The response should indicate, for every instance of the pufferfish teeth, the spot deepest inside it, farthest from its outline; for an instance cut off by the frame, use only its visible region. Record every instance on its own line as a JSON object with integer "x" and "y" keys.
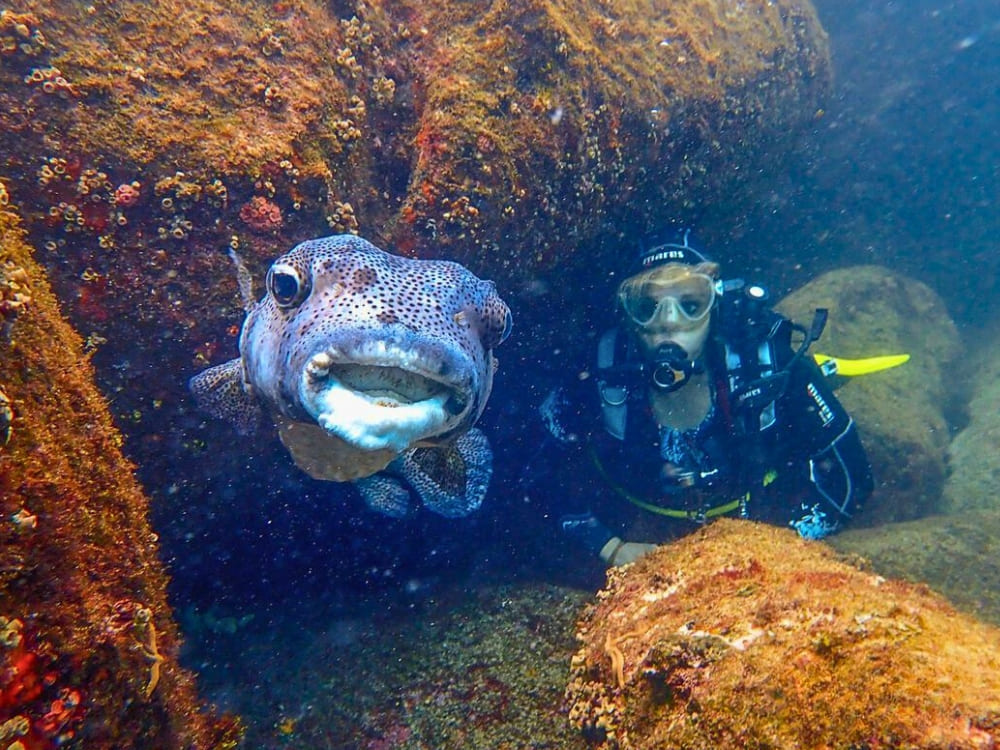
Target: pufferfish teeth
{"x": 319, "y": 365}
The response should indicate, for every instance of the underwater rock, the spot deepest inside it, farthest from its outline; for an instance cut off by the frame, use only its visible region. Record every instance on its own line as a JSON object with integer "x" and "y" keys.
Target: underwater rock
{"x": 448, "y": 128}
{"x": 88, "y": 646}
{"x": 901, "y": 413}
{"x": 483, "y": 667}
{"x": 953, "y": 554}
{"x": 745, "y": 635}
{"x": 432, "y": 128}
{"x": 973, "y": 458}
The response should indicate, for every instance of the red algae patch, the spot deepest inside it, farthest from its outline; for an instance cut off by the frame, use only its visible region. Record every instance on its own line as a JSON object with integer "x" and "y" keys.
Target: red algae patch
{"x": 744, "y": 635}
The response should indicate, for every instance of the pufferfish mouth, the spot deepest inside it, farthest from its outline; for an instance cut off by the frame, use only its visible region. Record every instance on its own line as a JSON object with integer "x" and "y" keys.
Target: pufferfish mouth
{"x": 388, "y": 399}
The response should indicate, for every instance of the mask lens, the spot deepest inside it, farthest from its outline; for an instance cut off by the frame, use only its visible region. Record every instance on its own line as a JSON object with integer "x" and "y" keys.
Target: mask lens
{"x": 641, "y": 309}
{"x": 691, "y": 295}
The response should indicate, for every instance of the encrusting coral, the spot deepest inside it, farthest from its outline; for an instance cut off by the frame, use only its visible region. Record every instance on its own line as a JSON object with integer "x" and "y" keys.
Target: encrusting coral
{"x": 746, "y": 636}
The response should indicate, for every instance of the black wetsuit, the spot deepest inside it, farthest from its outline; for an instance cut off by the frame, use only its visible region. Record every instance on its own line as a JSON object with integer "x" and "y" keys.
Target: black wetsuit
{"x": 775, "y": 446}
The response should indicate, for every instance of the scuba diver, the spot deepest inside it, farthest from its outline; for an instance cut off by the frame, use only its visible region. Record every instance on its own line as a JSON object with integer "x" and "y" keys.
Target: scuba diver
{"x": 704, "y": 403}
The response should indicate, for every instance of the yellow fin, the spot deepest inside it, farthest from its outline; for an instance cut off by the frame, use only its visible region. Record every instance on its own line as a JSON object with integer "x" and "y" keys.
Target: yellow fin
{"x": 852, "y": 367}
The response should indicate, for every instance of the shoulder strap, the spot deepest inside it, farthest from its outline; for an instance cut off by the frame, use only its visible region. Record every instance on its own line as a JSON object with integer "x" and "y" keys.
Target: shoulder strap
{"x": 755, "y": 366}
{"x": 614, "y": 396}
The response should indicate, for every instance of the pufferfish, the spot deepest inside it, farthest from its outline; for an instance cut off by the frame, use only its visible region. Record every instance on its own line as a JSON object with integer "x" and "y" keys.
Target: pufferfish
{"x": 375, "y": 368}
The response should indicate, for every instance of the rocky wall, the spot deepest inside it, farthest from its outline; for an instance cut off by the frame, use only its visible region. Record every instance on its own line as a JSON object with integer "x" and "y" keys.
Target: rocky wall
{"x": 146, "y": 137}
{"x": 507, "y": 137}
{"x": 88, "y": 646}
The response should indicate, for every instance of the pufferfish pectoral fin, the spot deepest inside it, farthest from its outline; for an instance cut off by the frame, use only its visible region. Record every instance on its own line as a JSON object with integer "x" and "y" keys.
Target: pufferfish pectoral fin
{"x": 385, "y": 494}
{"x": 221, "y": 392}
{"x": 451, "y": 479}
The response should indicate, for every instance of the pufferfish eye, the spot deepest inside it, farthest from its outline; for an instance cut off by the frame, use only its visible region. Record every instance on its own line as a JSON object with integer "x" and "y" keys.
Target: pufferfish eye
{"x": 498, "y": 323}
{"x": 286, "y": 285}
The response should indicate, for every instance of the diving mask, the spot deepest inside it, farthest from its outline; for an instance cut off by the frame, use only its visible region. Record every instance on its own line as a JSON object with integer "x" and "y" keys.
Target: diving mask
{"x": 683, "y": 297}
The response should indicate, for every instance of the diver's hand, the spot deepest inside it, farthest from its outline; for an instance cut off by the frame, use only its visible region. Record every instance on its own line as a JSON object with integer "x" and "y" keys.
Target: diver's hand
{"x": 619, "y": 552}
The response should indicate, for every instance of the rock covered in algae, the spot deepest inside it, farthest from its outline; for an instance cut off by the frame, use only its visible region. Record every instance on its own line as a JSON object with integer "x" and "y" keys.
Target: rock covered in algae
{"x": 901, "y": 413}
{"x": 88, "y": 647}
{"x": 482, "y": 666}
{"x": 160, "y": 128}
{"x": 744, "y": 635}
{"x": 973, "y": 458}
{"x": 953, "y": 554}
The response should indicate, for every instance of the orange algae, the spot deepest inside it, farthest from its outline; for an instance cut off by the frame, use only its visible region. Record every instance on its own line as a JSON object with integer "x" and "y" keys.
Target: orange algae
{"x": 530, "y": 112}
{"x": 744, "y": 635}
{"x": 88, "y": 647}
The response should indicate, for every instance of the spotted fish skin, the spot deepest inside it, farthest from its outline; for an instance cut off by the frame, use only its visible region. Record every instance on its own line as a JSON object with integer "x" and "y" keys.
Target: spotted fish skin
{"x": 384, "y": 354}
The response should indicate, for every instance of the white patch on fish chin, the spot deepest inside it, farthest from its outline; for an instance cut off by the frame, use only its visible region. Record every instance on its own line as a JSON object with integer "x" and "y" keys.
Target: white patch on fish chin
{"x": 374, "y": 422}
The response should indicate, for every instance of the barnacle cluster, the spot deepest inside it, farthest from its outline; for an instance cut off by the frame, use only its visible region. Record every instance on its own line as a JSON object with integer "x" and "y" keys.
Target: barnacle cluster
{"x": 356, "y": 107}
{"x": 343, "y": 131}
{"x": 6, "y": 420}
{"x": 14, "y": 292}
{"x": 81, "y": 198}
{"x": 356, "y": 32}
{"x": 272, "y": 95}
{"x": 384, "y": 90}
{"x": 177, "y": 228}
{"x": 345, "y": 58}
{"x": 177, "y": 194}
{"x": 271, "y": 43}
{"x": 341, "y": 218}
{"x": 178, "y": 189}
{"x": 66, "y": 215}
{"x": 94, "y": 185}
{"x": 19, "y": 33}
{"x": 53, "y": 170}
{"x": 217, "y": 193}
{"x": 51, "y": 80}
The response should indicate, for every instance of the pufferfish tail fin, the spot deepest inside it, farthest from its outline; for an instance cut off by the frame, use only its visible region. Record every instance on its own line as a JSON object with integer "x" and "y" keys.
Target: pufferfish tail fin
{"x": 451, "y": 479}
{"x": 221, "y": 391}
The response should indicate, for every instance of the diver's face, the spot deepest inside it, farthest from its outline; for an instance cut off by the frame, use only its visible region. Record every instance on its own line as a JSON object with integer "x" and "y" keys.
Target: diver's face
{"x": 691, "y": 340}
{"x": 671, "y": 304}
